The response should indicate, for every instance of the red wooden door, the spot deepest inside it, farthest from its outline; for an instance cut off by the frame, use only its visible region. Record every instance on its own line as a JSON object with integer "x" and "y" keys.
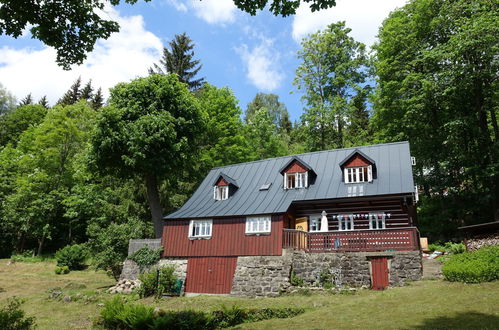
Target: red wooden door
{"x": 210, "y": 274}
{"x": 379, "y": 267}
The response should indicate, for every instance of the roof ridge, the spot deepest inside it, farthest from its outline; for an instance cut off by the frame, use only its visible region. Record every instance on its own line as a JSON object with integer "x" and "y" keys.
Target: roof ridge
{"x": 309, "y": 153}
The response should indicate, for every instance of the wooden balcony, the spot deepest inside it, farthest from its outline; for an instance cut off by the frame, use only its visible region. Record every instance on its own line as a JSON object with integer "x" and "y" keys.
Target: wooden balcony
{"x": 399, "y": 239}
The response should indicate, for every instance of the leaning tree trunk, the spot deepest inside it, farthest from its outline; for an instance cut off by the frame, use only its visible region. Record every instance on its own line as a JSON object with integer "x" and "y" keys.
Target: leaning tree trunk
{"x": 154, "y": 204}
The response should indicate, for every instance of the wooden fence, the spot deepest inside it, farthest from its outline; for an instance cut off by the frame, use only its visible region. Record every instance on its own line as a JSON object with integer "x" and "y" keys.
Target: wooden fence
{"x": 400, "y": 239}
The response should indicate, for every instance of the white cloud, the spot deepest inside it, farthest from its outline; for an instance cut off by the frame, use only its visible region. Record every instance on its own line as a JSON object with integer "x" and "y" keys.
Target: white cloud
{"x": 262, "y": 65}
{"x": 211, "y": 11}
{"x": 124, "y": 56}
{"x": 364, "y": 17}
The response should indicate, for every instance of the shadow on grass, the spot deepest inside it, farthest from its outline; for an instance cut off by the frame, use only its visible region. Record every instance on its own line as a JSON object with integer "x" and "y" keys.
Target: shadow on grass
{"x": 470, "y": 320}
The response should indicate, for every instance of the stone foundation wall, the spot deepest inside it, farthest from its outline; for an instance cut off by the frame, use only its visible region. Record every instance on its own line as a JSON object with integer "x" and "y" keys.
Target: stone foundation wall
{"x": 180, "y": 266}
{"x": 479, "y": 241}
{"x": 261, "y": 276}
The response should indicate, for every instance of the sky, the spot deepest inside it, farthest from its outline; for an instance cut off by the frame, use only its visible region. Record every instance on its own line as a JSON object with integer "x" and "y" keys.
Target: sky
{"x": 248, "y": 54}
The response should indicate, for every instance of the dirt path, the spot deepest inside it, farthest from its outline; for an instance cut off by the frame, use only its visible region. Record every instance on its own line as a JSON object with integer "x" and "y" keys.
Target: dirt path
{"x": 432, "y": 269}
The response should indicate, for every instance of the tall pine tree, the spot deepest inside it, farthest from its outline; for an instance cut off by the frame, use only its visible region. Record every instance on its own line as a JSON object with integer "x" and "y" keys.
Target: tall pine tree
{"x": 179, "y": 59}
{"x": 72, "y": 95}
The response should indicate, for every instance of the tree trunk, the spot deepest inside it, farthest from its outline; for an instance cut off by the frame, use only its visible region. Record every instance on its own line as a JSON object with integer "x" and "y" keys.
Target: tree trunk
{"x": 154, "y": 204}
{"x": 40, "y": 246}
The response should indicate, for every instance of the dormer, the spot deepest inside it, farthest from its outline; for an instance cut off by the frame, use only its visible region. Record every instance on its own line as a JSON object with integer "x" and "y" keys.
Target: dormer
{"x": 224, "y": 187}
{"x": 357, "y": 167}
{"x": 297, "y": 174}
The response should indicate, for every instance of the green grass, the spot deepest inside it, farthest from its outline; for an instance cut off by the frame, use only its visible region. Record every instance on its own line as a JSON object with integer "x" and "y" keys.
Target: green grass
{"x": 421, "y": 305}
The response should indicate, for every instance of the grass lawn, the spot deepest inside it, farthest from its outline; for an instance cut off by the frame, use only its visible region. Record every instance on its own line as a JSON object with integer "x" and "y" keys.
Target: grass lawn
{"x": 421, "y": 305}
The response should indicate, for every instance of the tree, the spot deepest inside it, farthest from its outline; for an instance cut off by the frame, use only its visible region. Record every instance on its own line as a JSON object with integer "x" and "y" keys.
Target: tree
{"x": 277, "y": 110}
{"x": 72, "y": 95}
{"x": 437, "y": 67}
{"x": 98, "y": 99}
{"x": 16, "y": 122}
{"x": 7, "y": 101}
{"x": 358, "y": 131}
{"x": 87, "y": 92}
{"x": 26, "y": 101}
{"x": 179, "y": 60}
{"x": 151, "y": 129}
{"x": 44, "y": 102}
{"x": 72, "y": 27}
{"x": 333, "y": 65}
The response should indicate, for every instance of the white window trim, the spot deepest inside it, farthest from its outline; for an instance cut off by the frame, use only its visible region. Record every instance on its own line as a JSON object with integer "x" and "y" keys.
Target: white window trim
{"x": 318, "y": 218}
{"x": 375, "y": 216}
{"x": 358, "y": 170}
{"x": 298, "y": 178}
{"x": 350, "y": 220}
{"x": 221, "y": 193}
{"x": 264, "y": 221}
{"x": 208, "y": 222}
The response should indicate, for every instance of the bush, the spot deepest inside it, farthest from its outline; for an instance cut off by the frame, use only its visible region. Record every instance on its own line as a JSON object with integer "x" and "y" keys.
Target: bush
{"x": 59, "y": 270}
{"x": 13, "y": 318}
{"x": 473, "y": 267}
{"x": 296, "y": 280}
{"x": 146, "y": 257}
{"x": 72, "y": 256}
{"x": 450, "y": 247}
{"x": 157, "y": 282}
{"x": 117, "y": 314}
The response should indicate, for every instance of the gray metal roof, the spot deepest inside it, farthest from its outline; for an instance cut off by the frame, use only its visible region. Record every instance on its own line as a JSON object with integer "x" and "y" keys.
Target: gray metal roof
{"x": 394, "y": 176}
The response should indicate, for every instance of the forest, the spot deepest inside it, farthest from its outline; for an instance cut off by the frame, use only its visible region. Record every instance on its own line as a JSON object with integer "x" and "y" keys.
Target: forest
{"x": 97, "y": 171}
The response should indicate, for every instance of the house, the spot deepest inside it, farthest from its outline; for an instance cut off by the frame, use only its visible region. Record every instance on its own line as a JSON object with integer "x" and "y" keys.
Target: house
{"x": 347, "y": 215}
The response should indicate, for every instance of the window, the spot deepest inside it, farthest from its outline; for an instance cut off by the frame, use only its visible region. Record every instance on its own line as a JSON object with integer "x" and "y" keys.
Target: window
{"x": 345, "y": 222}
{"x": 315, "y": 222}
{"x": 358, "y": 174}
{"x": 259, "y": 224}
{"x": 200, "y": 228}
{"x": 377, "y": 221}
{"x": 220, "y": 193}
{"x": 295, "y": 180}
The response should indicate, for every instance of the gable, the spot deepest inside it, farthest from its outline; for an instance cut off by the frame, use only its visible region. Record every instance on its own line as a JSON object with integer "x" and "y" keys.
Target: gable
{"x": 221, "y": 182}
{"x": 356, "y": 161}
{"x": 295, "y": 167}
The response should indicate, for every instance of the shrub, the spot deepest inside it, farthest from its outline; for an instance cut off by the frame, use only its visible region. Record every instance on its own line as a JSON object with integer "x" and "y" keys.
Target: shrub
{"x": 473, "y": 267}
{"x": 72, "y": 256}
{"x": 450, "y": 247}
{"x": 326, "y": 279}
{"x": 119, "y": 315}
{"x": 157, "y": 282}
{"x": 13, "y": 318}
{"x": 59, "y": 270}
{"x": 296, "y": 280}
{"x": 146, "y": 257}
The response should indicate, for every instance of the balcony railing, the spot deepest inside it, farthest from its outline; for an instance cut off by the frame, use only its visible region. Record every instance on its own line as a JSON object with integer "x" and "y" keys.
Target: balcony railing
{"x": 399, "y": 239}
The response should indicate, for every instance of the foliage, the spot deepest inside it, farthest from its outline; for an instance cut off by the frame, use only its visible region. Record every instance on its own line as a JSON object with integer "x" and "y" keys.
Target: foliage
{"x": 7, "y": 101}
{"x": 27, "y": 256}
{"x": 437, "y": 65}
{"x": 450, "y": 247}
{"x": 151, "y": 129}
{"x": 473, "y": 267}
{"x": 145, "y": 257}
{"x": 296, "y": 280}
{"x": 13, "y": 124}
{"x": 282, "y": 7}
{"x": 179, "y": 60}
{"x": 12, "y": 317}
{"x": 117, "y": 314}
{"x": 60, "y": 270}
{"x": 326, "y": 279}
{"x": 277, "y": 111}
{"x": 72, "y": 256}
{"x": 333, "y": 66}
{"x": 157, "y": 282}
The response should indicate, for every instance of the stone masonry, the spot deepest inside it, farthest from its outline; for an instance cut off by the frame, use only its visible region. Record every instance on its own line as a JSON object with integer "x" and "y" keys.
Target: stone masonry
{"x": 131, "y": 270}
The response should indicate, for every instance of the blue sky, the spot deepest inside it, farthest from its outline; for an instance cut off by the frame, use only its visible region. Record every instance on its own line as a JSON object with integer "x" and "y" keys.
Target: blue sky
{"x": 249, "y": 54}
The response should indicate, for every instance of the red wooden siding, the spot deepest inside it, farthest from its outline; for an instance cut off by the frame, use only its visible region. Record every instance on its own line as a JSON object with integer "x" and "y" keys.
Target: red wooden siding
{"x": 210, "y": 274}
{"x": 379, "y": 273}
{"x": 228, "y": 239}
{"x": 222, "y": 182}
{"x": 295, "y": 167}
{"x": 357, "y": 161}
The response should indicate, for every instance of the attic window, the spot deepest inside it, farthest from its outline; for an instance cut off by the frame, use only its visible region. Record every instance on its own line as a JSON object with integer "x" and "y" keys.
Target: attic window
{"x": 223, "y": 187}
{"x": 221, "y": 193}
{"x": 295, "y": 180}
{"x": 297, "y": 174}
{"x": 358, "y": 174}
{"x": 358, "y": 167}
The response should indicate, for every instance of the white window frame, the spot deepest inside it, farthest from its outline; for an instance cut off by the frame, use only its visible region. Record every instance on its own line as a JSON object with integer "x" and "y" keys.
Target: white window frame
{"x": 357, "y": 174}
{"x": 347, "y": 222}
{"x": 220, "y": 193}
{"x": 315, "y": 221}
{"x": 205, "y": 228}
{"x": 261, "y": 224}
{"x": 375, "y": 223}
{"x": 300, "y": 180}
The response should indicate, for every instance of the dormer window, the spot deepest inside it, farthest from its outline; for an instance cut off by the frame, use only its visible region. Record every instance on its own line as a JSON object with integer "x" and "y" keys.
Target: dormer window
{"x": 358, "y": 167}
{"x": 295, "y": 180}
{"x": 297, "y": 174}
{"x": 221, "y": 193}
{"x": 224, "y": 187}
{"x": 358, "y": 174}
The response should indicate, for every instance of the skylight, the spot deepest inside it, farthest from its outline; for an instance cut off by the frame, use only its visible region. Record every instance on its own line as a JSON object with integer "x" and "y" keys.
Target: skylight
{"x": 265, "y": 186}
